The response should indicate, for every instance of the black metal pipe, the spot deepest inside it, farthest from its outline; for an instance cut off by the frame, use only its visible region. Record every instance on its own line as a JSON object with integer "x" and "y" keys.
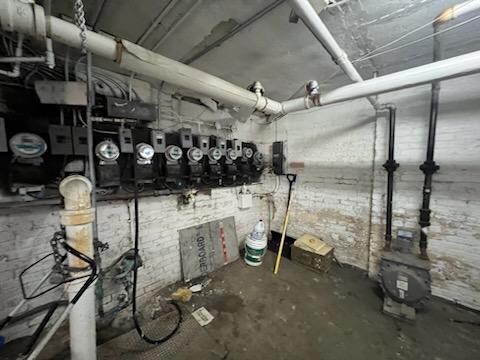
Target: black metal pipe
{"x": 429, "y": 167}
{"x": 390, "y": 166}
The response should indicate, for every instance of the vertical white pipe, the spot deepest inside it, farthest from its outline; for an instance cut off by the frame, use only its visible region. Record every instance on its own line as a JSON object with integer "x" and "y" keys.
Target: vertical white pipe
{"x": 308, "y": 14}
{"x": 77, "y": 218}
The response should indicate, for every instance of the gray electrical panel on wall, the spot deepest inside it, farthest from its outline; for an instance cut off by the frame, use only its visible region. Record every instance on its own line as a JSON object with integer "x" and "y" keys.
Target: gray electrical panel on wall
{"x": 3, "y": 136}
{"x": 278, "y": 158}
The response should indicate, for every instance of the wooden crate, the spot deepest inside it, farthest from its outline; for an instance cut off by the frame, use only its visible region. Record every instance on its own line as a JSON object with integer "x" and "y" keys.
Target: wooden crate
{"x": 314, "y": 261}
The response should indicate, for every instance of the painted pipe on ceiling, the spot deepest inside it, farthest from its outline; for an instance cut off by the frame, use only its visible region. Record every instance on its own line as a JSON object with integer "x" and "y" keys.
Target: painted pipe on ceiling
{"x": 30, "y": 19}
{"x": 441, "y": 70}
{"x": 307, "y": 13}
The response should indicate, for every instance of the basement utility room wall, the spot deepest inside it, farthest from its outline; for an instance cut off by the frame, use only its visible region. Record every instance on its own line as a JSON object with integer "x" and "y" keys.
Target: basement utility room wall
{"x": 338, "y": 152}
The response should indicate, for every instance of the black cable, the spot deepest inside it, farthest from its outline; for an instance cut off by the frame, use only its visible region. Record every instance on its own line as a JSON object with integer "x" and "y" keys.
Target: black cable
{"x": 135, "y": 278}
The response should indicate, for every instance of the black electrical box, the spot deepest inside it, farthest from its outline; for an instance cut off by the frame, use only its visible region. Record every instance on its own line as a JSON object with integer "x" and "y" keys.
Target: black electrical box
{"x": 278, "y": 158}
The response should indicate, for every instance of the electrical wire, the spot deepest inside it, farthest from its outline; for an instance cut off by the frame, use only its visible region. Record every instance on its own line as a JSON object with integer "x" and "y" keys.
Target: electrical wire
{"x": 135, "y": 278}
{"x": 367, "y": 55}
{"x": 418, "y": 40}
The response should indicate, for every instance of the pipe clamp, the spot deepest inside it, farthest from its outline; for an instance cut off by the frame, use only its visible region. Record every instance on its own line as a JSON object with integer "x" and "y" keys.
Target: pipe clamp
{"x": 77, "y": 217}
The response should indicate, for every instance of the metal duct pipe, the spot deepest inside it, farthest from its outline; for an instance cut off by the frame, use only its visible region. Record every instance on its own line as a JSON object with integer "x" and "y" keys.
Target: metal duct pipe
{"x": 307, "y": 13}
{"x": 430, "y": 167}
{"x": 390, "y": 166}
{"x": 30, "y": 19}
{"x": 441, "y": 70}
{"x": 77, "y": 218}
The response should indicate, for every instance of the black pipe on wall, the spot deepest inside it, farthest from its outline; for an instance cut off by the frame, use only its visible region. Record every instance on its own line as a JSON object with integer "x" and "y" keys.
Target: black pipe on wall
{"x": 391, "y": 166}
{"x": 429, "y": 167}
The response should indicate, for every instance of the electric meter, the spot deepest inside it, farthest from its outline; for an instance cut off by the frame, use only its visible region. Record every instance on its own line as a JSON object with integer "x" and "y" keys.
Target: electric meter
{"x": 107, "y": 150}
{"x": 145, "y": 153}
{"x": 247, "y": 152}
{"x": 27, "y": 145}
{"x": 214, "y": 154}
{"x": 232, "y": 154}
{"x": 194, "y": 154}
{"x": 258, "y": 157}
{"x": 173, "y": 153}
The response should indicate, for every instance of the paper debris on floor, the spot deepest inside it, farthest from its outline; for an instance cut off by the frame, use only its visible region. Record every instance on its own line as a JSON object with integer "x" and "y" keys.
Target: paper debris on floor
{"x": 182, "y": 294}
{"x": 202, "y": 316}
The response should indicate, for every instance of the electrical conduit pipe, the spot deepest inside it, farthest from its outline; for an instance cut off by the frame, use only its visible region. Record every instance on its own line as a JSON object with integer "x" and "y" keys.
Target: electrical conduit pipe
{"x": 77, "y": 218}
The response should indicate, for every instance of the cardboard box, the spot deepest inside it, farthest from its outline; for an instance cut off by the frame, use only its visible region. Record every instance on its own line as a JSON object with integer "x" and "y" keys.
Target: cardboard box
{"x": 312, "y": 252}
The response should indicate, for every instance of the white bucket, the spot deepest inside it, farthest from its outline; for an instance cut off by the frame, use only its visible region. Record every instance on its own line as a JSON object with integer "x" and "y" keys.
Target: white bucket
{"x": 255, "y": 250}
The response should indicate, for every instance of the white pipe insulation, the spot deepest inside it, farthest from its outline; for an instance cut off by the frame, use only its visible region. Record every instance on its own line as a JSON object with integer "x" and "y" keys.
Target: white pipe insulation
{"x": 441, "y": 70}
{"x": 308, "y": 14}
{"x": 30, "y": 19}
{"x": 78, "y": 218}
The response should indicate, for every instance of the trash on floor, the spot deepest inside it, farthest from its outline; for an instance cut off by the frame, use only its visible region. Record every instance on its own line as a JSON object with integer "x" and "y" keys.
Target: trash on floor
{"x": 182, "y": 294}
{"x": 202, "y": 316}
{"x": 312, "y": 252}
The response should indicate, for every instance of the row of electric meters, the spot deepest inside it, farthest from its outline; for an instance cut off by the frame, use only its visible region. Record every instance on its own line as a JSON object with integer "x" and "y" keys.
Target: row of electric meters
{"x": 126, "y": 156}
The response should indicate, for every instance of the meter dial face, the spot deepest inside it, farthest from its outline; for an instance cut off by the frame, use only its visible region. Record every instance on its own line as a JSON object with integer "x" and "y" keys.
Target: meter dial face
{"x": 258, "y": 157}
{"x": 107, "y": 150}
{"x": 195, "y": 154}
{"x": 215, "y": 154}
{"x": 27, "y": 145}
{"x": 173, "y": 153}
{"x": 247, "y": 152}
{"x": 232, "y": 154}
{"x": 145, "y": 151}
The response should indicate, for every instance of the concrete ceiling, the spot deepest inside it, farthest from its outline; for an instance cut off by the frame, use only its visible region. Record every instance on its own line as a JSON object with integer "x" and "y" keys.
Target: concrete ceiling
{"x": 280, "y": 54}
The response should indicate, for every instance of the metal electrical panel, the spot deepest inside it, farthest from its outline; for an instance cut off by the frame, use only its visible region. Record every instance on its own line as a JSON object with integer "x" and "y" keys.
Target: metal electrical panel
{"x": 186, "y": 140}
{"x": 3, "y": 136}
{"x": 158, "y": 141}
{"x": 278, "y": 158}
{"x": 61, "y": 92}
{"x": 126, "y": 141}
{"x": 121, "y": 108}
{"x": 80, "y": 140}
{"x": 237, "y": 146}
{"x": 60, "y": 140}
{"x": 222, "y": 145}
{"x": 204, "y": 143}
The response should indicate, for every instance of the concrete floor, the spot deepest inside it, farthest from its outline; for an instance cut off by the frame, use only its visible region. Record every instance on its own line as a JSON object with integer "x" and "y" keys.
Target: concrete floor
{"x": 297, "y": 314}
{"x": 300, "y": 314}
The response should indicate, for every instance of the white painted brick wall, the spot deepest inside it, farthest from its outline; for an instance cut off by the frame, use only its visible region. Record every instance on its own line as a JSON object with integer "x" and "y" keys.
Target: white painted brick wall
{"x": 24, "y": 235}
{"x": 333, "y": 193}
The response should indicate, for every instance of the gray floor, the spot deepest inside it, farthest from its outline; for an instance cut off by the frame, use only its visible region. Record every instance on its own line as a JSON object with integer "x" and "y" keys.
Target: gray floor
{"x": 299, "y": 314}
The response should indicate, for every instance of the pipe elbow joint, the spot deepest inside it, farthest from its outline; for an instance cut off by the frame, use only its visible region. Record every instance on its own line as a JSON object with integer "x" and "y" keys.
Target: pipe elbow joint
{"x": 76, "y": 191}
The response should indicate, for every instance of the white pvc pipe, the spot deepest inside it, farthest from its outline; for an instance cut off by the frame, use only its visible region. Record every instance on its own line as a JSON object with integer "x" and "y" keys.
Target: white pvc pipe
{"x": 308, "y": 14}
{"x": 30, "y": 19}
{"x": 78, "y": 218}
{"x": 445, "y": 69}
